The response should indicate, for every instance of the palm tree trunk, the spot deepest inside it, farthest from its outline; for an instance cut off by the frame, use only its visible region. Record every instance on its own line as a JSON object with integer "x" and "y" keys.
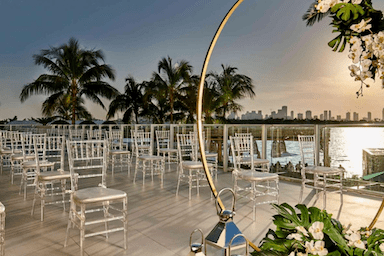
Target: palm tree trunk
{"x": 74, "y": 93}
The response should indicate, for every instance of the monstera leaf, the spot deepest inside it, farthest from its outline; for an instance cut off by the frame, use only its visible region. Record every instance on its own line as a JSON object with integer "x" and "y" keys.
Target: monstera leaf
{"x": 345, "y": 11}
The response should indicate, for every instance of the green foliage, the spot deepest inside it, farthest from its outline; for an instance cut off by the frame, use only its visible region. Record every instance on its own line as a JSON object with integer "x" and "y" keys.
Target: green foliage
{"x": 290, "y": 221}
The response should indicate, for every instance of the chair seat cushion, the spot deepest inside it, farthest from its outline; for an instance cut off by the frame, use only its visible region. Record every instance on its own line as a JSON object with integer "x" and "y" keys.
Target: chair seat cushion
{"x": 150, "y": 158}
{"x": 256, "y": 161}
{"x": 97, "y": 194}
{"x": 32, "y": 164}
{"x": 118, "y": 152}
{"x": 168, "y": 150}
{"x": 323, "y": 170}
{"x": 21, "y": 156}
{"x": 53, "y": 175}
{"x": 252, "y": 175}
{"x": 193, "y": 165}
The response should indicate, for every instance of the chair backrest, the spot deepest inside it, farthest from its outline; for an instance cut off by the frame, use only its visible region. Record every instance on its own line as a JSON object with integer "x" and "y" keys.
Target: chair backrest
{"x": 187, "y": 147}
{"x": 38, "y": 148}
{"x": 96, "y": 134}
{"x": 115, "y": 139}
{"x": 163, "y": 139}
{"x": 242, "y": 150}
{"x": 87, "y": 159}
{"x": 143, "y": 143}
{"x": 307, "y": 149}
{"x": 55, "y": 150}
{"x": 76, "y": 134}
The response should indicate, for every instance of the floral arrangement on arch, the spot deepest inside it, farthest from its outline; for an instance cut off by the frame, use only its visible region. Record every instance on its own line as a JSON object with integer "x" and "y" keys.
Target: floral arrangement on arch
{"x": 360, "y": 26}
{"x": 315, "y": 232}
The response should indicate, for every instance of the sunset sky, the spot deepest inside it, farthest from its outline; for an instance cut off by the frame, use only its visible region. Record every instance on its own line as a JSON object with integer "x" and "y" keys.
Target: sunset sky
{"x": 290, "y": 64}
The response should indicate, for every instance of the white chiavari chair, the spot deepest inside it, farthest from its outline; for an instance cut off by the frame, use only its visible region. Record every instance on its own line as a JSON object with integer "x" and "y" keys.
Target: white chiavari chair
{"x": 88, "y": 167}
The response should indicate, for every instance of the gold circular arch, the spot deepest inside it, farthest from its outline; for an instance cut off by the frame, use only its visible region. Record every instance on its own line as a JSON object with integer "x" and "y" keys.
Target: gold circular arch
{"x": 199, "y": 109}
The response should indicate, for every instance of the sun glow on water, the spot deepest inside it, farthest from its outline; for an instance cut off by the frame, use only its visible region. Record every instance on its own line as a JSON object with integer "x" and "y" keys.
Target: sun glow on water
{"x": 346, "y": 146}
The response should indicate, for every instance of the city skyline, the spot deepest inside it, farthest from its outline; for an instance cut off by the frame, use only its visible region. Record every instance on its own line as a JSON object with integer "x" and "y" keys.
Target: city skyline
{"x": 290, "y": 64}
{"x": 284, "y": 113}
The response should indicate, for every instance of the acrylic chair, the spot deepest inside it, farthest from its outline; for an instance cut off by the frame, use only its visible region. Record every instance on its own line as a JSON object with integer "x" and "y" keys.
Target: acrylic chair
{"x": 11, "y": 145}
{"x": 244, "y": 155}
{"x": 145, "y": 160}
{"x": 5, "y": 149}
{"x": 21, "y": 143}
{"x": 117, "y": 148}
{"x": 323, "y": 178}
{"x": 88, "y": 167}
{"x": 45, "y": 180}
{"x": 212, "y": 157}
{"x": 258, "y": 186}
{"x": 191, "y": 170}
{"x": 164, "y": 147}
{"x": 29, "y": 166}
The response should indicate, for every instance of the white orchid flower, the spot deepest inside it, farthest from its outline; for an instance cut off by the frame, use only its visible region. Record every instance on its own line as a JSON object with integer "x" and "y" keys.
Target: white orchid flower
{"x": 295, "y": 236}
{"x": 309, "y": 246}
{"x": 302, "y": 230}
{"x": 368, "y": 40}
{"x": 355, "y": 40}
{"x": 356, "y": 1}
{"x": 379, "y": 37}
{"x": 323, "y": 6}
{"x": 317, "y": 230}
{"x": 319, "y": 248}
{"x": 365, "y": 64}
{"x": 381, "y": 246}
{"x": 362, "y": 26}
{"x": 355, "y": 240}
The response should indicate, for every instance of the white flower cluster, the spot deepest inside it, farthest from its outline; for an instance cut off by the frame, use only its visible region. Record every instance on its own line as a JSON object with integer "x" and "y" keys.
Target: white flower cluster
{"x": 325, "y": 5}
{"x": 315, "y": 244}
{"x": 313, "y": 247}
{"x": 366, "y": 52}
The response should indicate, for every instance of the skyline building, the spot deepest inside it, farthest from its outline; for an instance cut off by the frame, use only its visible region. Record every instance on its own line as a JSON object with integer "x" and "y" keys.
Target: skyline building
{"x": 355, "y": 116}
{"x": 308, "y": 114}
{"x": 283, "y": 114}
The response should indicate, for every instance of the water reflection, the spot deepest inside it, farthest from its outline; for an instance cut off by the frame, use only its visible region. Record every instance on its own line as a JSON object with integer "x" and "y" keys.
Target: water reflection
{"x": 346, "y": 146}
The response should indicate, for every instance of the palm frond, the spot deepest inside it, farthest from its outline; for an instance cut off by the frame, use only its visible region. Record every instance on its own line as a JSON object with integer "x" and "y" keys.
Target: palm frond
{"x": 312, "y": 15}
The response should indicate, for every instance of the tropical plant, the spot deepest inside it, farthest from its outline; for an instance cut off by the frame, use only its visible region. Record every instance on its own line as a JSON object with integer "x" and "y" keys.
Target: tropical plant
{"x": 231, "y": 87}
{"x": 315, "y": 232}
{"x": 74, "y": 73}
{"x": 168, "y": 81}
{"x": 360, "y": 26}
{"x": 131, "y": 102}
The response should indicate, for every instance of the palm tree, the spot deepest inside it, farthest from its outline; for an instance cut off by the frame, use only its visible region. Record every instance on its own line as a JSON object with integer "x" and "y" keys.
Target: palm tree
{"x": 231, "y": 87}
{"x": 170, "y": 79}
{"x": 75, "y": 73}
{"x": 131, "y": 102}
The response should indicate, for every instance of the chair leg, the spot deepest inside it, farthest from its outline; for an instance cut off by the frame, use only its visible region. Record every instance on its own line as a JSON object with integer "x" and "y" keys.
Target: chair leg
{"x": 136, "y": 167}
{"x": 72, "y": 209}
{"x": 63, "y": 186}
{"x": 34, "y": 200}
{"x": 113, "y": 164}
{"x": 125, "y": 222}
{"x": 42, "y": 202}
{"x": 106, "y": 214}
{"x": 82, "y": 230}
{"x": 178, "y": 180}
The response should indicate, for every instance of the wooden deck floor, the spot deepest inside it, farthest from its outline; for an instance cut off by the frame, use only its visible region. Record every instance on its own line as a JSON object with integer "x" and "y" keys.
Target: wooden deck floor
{"x": 159, "y": 223}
